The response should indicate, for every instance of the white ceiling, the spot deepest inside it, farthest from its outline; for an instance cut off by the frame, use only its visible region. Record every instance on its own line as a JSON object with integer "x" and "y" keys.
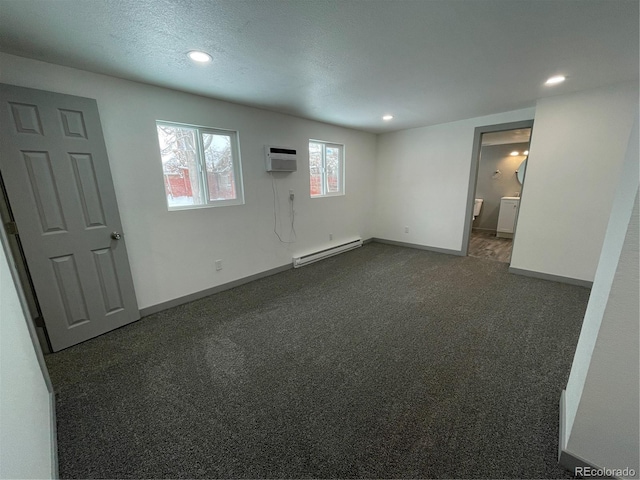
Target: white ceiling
{"x": 346, "y": 62}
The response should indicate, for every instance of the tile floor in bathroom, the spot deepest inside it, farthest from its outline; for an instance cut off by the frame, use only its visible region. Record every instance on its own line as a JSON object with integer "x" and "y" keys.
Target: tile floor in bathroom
{"x": 487, "y": 245}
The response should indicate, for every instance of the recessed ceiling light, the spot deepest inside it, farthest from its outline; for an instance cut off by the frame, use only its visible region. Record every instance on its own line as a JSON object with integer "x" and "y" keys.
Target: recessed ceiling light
{"x": 386, "y": 118}
{"x": 514, "y": 153}
{"x": 555, "y": 80}
{"x": 201, "y": 57}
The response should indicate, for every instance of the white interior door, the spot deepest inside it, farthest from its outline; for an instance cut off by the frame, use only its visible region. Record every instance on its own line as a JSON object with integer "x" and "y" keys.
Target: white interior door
{"x": 56, "y": 173}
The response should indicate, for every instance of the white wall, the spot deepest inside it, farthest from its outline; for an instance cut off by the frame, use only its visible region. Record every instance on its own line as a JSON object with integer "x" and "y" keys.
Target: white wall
{"x": 172, "y": 254}
{"x": 26, "y": 446}
{"x": 423, "y": 179}
{"x": 577, "y": 149}
{"x": 602, "y": 399}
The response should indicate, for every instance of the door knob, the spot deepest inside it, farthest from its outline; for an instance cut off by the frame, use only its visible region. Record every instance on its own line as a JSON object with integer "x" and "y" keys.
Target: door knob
{"x": 116, "y": 236}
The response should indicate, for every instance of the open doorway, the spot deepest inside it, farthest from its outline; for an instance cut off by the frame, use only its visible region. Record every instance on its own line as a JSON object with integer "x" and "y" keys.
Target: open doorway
{"x": 495, "y": 189}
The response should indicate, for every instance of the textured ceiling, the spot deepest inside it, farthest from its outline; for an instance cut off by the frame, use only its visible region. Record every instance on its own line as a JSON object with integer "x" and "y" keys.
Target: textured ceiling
{"x": 346, "y": 62}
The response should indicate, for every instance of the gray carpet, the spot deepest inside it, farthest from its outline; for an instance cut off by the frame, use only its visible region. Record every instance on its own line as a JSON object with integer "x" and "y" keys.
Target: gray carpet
{"x": 384, "y": 362}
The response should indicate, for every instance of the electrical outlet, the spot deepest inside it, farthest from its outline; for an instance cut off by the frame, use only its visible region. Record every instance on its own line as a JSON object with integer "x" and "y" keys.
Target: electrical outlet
{"x": 406, "y": 229}
{"x": 218, "y": 264}
{"x": 331, "y": 236}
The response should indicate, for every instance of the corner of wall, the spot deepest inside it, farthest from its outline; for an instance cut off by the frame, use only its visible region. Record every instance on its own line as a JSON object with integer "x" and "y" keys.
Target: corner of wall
{"x": 600, "y": 363}
{"x": 562, "y": 431}
{"x": 577, "y": 146}
{"x": 28, "y": 430}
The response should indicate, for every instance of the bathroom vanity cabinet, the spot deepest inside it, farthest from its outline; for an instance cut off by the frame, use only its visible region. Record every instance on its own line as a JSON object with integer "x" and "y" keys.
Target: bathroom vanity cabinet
{"x": 507, "y": 216}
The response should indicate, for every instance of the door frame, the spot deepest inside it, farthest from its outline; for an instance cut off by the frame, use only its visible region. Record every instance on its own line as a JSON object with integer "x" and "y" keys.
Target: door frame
{"x": 15, "y": 254}
{"x": 473, "y": 174}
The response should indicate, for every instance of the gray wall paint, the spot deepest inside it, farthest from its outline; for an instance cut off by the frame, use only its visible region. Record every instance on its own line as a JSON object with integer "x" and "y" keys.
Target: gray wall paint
{"x": 491, "y": 188}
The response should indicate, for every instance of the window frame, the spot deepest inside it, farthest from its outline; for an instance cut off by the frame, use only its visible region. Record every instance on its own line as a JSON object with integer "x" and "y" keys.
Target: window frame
{"x": 325, "y": 179}
{"x": 234, "y": 142}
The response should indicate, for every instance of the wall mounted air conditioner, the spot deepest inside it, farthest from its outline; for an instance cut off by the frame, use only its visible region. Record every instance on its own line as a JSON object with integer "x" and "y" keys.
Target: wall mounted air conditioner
{"x": 280, "y": 159}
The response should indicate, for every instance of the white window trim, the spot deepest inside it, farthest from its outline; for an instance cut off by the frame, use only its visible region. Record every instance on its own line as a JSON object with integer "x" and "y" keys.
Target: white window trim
{"x": 341, "y": 181}
{"x": 235, "y": 157}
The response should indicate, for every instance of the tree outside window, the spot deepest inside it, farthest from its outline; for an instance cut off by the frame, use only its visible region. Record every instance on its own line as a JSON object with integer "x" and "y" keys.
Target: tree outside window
{"x": 326, "y": 169}
{"x": 201, "y": 166}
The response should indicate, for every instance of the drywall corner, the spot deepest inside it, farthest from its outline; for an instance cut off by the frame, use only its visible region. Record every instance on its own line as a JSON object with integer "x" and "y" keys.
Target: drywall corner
{"x": 576, "y": 155}
{"x": 562, "y": 429}
{"x": 601, "y": 399}
{"x": 27, "y": 401}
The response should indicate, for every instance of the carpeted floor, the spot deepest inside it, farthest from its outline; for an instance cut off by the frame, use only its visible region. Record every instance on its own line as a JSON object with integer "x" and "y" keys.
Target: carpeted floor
{"x": 383, "y": 362}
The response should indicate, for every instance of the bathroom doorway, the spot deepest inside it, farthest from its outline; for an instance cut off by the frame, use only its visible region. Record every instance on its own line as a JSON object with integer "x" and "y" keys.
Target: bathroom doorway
{"x": 497, "y": 176}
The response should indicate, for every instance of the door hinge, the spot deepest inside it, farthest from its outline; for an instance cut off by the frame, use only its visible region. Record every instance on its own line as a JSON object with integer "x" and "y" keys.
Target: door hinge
{"x": 39, "y": 322}
{"x": 11, "y": 228}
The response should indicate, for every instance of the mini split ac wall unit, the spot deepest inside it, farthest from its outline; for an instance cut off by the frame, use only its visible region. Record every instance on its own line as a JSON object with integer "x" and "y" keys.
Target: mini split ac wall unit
{"x": 280, "y": 159}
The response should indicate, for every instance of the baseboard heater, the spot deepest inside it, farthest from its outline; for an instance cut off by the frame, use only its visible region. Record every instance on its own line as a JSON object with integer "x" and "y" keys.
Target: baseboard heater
{"x": 328, "y": 252}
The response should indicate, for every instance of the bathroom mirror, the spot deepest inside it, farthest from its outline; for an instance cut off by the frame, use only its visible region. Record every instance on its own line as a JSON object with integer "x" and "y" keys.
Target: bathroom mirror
{"x": 521, "y": 171}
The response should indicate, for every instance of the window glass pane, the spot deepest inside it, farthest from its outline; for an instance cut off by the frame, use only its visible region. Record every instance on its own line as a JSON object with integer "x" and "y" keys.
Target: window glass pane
{"x": 333, "y": 169}
{"x": 219, "y": 163}
{"x": 315, "y": 168}
{"x": 178, "y": 148}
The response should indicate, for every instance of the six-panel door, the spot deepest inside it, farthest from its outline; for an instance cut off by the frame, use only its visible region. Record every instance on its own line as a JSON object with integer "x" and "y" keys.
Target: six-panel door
{"x": 56, "y": 172}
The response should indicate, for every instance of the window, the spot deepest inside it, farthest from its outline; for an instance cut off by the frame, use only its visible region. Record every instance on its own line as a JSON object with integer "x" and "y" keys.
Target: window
{"x": 326, "y": 168}
{"x": 201, "y": 166}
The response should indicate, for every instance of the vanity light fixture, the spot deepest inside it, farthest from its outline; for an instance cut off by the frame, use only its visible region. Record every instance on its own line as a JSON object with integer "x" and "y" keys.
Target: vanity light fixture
{"x": 526, "y": 152}
{"x": 555, "y": 80}
{"x": 514, "y": 153}
{"x": 198, "y": 56}
{"x": 386, "y": 118}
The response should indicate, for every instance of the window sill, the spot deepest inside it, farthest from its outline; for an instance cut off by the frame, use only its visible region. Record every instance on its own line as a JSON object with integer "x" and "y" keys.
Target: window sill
{"x": 328, "y": 195}
{"x": 200, "y": 207}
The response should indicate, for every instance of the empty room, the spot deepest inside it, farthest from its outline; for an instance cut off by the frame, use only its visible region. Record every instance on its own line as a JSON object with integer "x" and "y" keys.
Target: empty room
{"x": 319, "y": 239}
